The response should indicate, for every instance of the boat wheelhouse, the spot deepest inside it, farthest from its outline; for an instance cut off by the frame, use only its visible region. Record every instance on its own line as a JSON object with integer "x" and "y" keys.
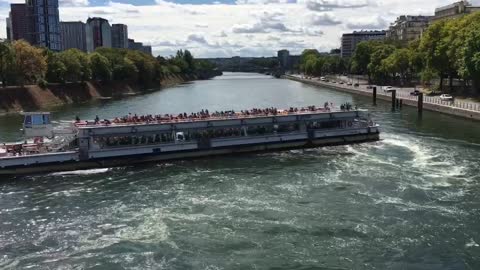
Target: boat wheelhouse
{"x": 115, "y": 143}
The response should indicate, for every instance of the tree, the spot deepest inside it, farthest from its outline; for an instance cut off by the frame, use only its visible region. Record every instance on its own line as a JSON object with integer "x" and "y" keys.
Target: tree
{"x": 361, "y": 57}
{"x": 7, "y": 61}
{"x": 77, "y": 65}
{"x": 377, "y": 70}
{"x": 433, "y": 43}
{"x": 187, "y": 56}
{"x": 30, "y": 63}
{"x": 472, "y": 58}
{"x": 145, "y": 65}
{"x": 125, "y": 70}
{"x": 398, "y": 63}
{"x": 56, "y": 69}
{"x": 100, "y": 66}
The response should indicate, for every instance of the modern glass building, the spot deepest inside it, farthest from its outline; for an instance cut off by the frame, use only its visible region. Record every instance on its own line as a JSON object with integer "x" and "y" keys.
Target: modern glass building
{"x": 44, "y": 23}
{"x": 99, "y": 34}
{"x": 17, "y": 22}
{"x": 119, "y": 36}
{"x": 73, "y": 35}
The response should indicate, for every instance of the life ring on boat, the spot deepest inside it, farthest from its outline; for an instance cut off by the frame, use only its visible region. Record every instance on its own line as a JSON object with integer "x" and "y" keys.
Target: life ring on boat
{"x": 349, "y": 123}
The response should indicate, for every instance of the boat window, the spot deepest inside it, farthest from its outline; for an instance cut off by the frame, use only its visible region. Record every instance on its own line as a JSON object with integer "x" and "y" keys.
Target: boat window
{"x": 28, "y": 121}
{"x": 37, "y": 119}
{"x": 46, "y": 119}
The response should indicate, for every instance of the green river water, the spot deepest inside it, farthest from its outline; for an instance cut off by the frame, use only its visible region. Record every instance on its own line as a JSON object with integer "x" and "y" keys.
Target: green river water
{"x": 408, "y": 201}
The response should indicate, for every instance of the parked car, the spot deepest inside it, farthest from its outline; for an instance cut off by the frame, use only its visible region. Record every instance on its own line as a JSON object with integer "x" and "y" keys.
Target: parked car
{"x": 369, "y": 86}
{"x": 446, "y": 97}
{"x": 322, "y": 78}
{"x": 334, "y": 82}
{"x": 349, "y": 83}
{"x": 356, "y": 85}
{"x": 415, "y": 92}
{"x": 388, "y": 89}
{"x": 340, "y": 82}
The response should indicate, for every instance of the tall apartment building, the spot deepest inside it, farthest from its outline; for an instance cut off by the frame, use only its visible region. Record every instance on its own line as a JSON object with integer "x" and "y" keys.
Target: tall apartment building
{"x": 43, "y": 23}
{"x": 17, "y": 22}
{"x": 351, "y": 40}
{"x": 119, "y": 36}
{"x": 406, "y": 27}
{"x": 283, "y": 57}
{"x": 98, "y": 34}
{"x": 454, "y": 10}
{"x": 73, "y": 35}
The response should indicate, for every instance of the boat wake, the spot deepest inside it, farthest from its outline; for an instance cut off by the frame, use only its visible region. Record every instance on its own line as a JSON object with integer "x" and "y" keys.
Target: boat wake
{"x": 81, "y": 172}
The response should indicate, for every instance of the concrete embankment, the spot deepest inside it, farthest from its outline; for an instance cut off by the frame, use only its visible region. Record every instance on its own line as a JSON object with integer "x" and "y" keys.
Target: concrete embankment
{"x": 442, "y": 108}
{"x": 33, "y": 97}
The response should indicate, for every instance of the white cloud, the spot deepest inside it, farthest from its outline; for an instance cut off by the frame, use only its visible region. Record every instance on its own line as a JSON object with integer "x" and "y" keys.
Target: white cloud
{"x": 73, "y": 3}
{"x": 324, "y": 19}
{"x": 327, "y": 5}
{"x": 369, "y": 22}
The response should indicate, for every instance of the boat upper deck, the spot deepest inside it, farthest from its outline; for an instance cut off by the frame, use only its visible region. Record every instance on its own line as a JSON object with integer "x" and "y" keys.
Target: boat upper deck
{"x": 205, "y": 116}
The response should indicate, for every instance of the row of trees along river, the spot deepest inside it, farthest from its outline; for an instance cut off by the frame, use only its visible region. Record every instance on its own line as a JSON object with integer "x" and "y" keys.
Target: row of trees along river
{"x": 21, "y": 63}
{"x": 448, "y": 49}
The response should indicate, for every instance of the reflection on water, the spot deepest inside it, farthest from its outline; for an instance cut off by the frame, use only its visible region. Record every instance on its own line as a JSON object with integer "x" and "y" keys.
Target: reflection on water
{"x": 409, "y": 201}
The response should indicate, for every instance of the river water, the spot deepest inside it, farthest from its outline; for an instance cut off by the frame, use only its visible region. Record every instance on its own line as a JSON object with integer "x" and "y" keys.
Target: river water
{"x": 409, "y": 201}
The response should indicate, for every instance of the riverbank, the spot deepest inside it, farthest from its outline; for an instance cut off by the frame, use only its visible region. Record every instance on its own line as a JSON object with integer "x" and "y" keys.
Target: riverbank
{"x": 33, "y": 97}
{"x": 465, "y": 110}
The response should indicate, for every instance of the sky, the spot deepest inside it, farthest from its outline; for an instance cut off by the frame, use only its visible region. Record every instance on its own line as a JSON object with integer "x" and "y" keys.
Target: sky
{"x": 225, "y": 28}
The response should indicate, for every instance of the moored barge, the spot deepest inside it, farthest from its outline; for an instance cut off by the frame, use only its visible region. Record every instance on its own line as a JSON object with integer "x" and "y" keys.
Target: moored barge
{"x": 132, "y": 140}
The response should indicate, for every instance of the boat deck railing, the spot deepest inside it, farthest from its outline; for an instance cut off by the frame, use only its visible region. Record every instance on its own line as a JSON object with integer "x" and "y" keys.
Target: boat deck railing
{"x": 175, "y": 120}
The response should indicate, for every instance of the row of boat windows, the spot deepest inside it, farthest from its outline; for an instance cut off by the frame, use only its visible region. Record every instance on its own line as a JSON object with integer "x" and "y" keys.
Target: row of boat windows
{"x": 170, "y": 137}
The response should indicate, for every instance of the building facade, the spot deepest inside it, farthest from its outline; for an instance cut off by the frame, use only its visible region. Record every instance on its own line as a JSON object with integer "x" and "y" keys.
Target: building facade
{"x": 119, "y": 36}
{"x": 454, "y": 10}
{"x": 407, "y": 28}
{"x": 351, "y": 40}
{"x": 147, "y": 49}
{"x": 73, "y": 35}
{"x": 283, "y": 57}
{"x": 98, "y": 34}
{"x": 43, "y": 23}
{"x": 17, "y": 22}
{"x": 133, "y": 45}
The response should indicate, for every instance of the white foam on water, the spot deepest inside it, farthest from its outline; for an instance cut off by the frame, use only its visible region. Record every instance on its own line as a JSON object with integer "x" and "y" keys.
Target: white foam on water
{"x": 82, "y": 172}
{"x": 472, "y": 243}
{"x": 436, "y": 165}
{"x": 411, "y": 206}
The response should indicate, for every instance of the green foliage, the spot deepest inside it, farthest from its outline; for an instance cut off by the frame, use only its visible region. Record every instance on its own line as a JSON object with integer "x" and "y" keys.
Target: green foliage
{"x": 100, "y": 66}
{"x": 7, "y": 61}
{"x": 22, "y": 63}
{"x": 315, "y": 64}
{"x": 77, "y": 65}
{"x": 30, "y": 62}
{"x": 56, "y": 69}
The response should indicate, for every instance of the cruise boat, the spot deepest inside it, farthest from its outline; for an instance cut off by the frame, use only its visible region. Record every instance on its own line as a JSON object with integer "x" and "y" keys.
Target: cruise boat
{"x": 135, "y": 139}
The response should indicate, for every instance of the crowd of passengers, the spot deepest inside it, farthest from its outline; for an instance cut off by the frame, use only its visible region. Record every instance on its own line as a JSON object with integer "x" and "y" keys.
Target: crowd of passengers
{"x": 205, "y": 114}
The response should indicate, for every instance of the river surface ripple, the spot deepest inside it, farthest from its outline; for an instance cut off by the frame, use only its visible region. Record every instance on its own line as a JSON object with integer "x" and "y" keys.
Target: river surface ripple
{"x": 409, "y": 201}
